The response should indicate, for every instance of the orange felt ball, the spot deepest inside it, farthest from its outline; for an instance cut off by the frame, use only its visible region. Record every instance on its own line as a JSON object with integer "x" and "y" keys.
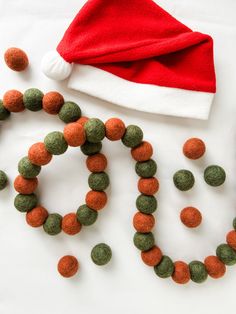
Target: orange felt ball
{"x": 13, "y": 101}
{"x": 74, "y": 134}
{"x": 96, "y": 163}
{"x": 52, "y": 102}
{"x": 70, "y": 225}
{"x": 191, "y": 217}
{"x": 68, "y": 266}
{"x": 25, "y": 186}
{"x": 152, "y": 257}
{"x": 143, "y": 152}
{"x": 214, "y": 267}
{"x": 115, "y": 129}
{"x": 181, "y": 272}
{"x": 37, "y": 216}
{"x": 231, "y": 239}
{"x": 143, "y": 222}
{"x": 16, "y": 59}
{"x": 39, "y": 155}
{"x": 148, "y": 186}
{"x": 96, "y": 199}
{"x": 194, "y": 148}
{"x": 82, "y": 120}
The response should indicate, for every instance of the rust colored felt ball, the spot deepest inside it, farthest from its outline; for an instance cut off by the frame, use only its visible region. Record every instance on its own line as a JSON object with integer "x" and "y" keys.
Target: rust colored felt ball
{"x": 52, "y": 102}
{"x": 70, "y": 225}
{"x": 152, "y": 257}
{"x": 143, "y": 222}
{"x": 143, "y": 152}
{"x": 148, "y": 186}
{"x": 231, "y": 239}
{"x": 74, "y": 134}
{"x": 115, "y": 129}
{"x": 13, "y": 101}
{"x": 96, "y": 163}
{"x": 214, "y": 267}
{"x": 194, "y": 148}
{"x": 39, "y": 155}
{"x": 82, "y": 120}
{"x": 68, "y": 266}
{"x": 16, "y": 59}
{"x": 181, "y": 274}
{"x": 37, "y": 216}
{"x": 96, "y": 199}
{"x": 25, "y": 186}
{"x": 191, "y": 217}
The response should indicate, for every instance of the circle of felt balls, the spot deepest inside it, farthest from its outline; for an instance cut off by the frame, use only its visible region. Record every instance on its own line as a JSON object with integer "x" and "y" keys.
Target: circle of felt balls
{"x": 194, "y": 148}
{"x": 16, "y": 59}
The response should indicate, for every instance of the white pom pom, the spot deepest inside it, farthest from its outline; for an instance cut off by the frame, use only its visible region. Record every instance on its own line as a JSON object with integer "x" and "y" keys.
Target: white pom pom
{"x": 55, "y": 67}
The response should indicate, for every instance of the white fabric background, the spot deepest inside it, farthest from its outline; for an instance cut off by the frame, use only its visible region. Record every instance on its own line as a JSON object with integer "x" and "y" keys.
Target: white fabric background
{"x": 29, "y": 283}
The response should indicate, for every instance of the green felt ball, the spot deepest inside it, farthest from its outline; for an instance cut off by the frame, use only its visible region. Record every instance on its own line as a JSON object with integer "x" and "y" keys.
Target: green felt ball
{"x": 226, "y": 254}
{"x": 52, "y": 225}
{"x": 27, "y": 169}
{"x": 146, "y": 204}
{"x": 24, "y": 203}
{"x": 91, "y": 148}
{"x": 165, "y": 268}
{"x": 133, "y": 136}
{"x": 3, "y": 180}
{"x": 214, "y": 175}
{"x": 146, "y": 169}
{"x": 101, "y": 254}
{"x": 234, "y": 223}
{"x": 4, "y": 113}
{"x": 198, "y": 272}
{"x": 183, "y": 180}
{"x": 95, "y": 130}
{"x": 32, "y": 99}
{"x": 86, "y": 216}
{"x": 70, "y": 112}
{"x": 144, "y": 241}
{"x": 55, "y": 143}
{"x": 98, "y": 181}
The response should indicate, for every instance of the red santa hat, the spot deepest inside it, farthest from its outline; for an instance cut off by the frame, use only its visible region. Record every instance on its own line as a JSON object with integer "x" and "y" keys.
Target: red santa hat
{"x": 135, "y": 54}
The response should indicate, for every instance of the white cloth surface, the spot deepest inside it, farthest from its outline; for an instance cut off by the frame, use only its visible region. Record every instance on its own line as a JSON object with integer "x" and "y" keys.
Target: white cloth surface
{"x": 29, "y": 282}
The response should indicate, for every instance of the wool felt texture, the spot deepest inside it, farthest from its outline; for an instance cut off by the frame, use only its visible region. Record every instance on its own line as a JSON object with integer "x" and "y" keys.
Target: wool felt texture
{"x": 101, "y": 254}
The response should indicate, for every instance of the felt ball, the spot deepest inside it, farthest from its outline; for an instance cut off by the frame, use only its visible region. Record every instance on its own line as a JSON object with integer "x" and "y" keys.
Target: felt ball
{"x": 146, "y": 204}
{"x": 181, "y": 274}
{"x": 16, "y": 59}
{"x": 165, "y": 268}
{"x": 52, "y": 225}
{"x": 152, "y": 257}
{"x": 198, "y": 271}
{"x": 133, "y": 136}
{"x": 234, "y": 223}
{"x": 95, "y": 130}
{"x": 96, "y": 163}
{"x": 144, "y": 241}
{"x": 4, "y": 113}
{"x": 74, "y": 134}
{"x": 3, "y": 180}
{"x": 115, "y": 129}
{"x": 98, "y": 181}
{"x": 226, "y": 254}
{"x": 146, "y": 169}
{"x": 27, "y": 169}
{"x": 101, "y": 254}
{"x": 191, "y": 217}
{"x": 143, "y": 222}
{"x": 183, "y": 180}
{"x": 52, "y": 102}
{"x": 55, "y": 143}
{"x": 142, "y": 152}
{"x": 96, "y": 199}
{"x": 214, "y": 175}
{"x": 194, "y": 148}
{"x": 37, "y": 217}
{"x": 39, "y": 155}
{"x": 25, "y": 186}
{"x": 91, "y": 148}
{"x": 82, "y": 120}
{"x": 69, "y": 112}
{"x": 13, "y": 101}
{"x": 68, "y": 266}
{"x": 231, "y": 239}
{"x": 32, "y": 99}
{"x": 148, "y": 186}
{"x": 86, "y": 216}
{"x": 214, "y": 267}
{"x": 70, "y": 225}
{"x": 24, "y": 203}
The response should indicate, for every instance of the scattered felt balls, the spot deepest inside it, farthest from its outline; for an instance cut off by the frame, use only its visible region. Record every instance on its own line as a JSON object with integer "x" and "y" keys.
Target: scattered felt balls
{"x": 68, "y": 266}
{"x": 191, "y": 217}
{"x": 194, "y": 148}
{"x": 3, "y": 180}
{"x": 214, "y": 175}
{"x": 16, "y": 59}
{"x": 183, "y": 180}
{"x": 101, "y": 254}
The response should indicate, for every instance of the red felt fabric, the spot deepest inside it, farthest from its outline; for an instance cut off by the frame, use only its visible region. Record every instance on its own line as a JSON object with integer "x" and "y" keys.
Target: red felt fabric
{"x": 139, "y": 41}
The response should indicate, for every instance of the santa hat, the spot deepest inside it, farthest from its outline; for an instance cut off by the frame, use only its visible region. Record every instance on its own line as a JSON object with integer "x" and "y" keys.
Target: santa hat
{"x": 135, "y": 54}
